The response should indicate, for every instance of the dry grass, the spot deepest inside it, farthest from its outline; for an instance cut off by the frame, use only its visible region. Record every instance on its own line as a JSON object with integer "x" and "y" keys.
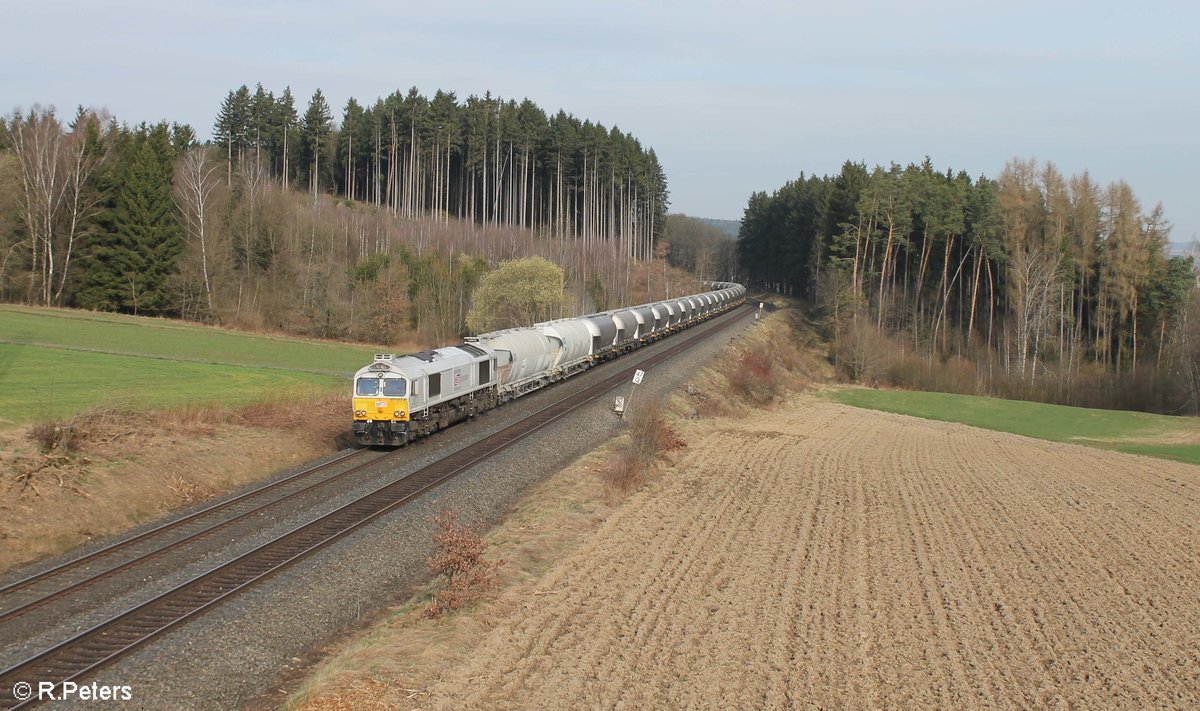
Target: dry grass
{"x": 189, "y": 491}
{"x": 64, "y": 483}
{"x": 780, "y": 356}
{"x": 649, "y": 437}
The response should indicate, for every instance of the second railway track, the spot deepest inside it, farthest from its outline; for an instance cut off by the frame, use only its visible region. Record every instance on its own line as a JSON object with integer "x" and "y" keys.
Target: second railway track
{"x": 33, "y": 591}
{"x": 100, "y": 645}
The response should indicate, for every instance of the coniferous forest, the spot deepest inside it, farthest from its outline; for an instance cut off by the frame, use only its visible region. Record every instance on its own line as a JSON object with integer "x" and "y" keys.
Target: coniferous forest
{"x": 487, "y": 160}
{"x": 291, "y": 220}
{"x": 1033, "y": 284}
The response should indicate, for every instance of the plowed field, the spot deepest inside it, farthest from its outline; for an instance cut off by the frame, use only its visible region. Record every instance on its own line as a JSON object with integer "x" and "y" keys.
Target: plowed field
{"x": 826, "y": 556}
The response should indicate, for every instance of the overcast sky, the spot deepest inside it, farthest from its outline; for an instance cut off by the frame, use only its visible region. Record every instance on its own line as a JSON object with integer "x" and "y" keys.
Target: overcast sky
{"x": 734, "y": 96}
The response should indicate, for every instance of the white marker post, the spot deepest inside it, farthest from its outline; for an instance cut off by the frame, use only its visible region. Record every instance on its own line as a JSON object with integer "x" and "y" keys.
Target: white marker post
{"x": 756, "y": 313}
{"x": 637, "y": 380}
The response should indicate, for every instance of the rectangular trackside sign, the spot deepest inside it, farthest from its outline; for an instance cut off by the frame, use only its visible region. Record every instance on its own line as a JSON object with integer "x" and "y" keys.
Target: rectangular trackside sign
{"x": 637, "y": 376}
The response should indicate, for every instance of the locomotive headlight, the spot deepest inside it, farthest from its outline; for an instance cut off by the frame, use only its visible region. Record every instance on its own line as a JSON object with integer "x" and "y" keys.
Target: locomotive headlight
{"x": 398, "y": 413}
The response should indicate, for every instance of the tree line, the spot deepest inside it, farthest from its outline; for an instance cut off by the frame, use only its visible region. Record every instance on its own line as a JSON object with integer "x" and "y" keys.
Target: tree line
{"x": 90, "y": 219}
{"x": 1033, "y": 275}
{"x": 148, "y": 220}
{"x": 486, "y": 160}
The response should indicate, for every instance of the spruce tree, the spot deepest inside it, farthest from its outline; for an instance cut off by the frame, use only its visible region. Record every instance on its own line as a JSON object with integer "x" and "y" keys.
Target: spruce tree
{"x": 131, "y": 258}
{"x": 284, "y": 138}
{"x": 233, "y": 125}
{"x": 314, "y": 130}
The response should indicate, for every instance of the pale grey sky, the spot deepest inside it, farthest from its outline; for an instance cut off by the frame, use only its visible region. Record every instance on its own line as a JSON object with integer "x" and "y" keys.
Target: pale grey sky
{"x": 734, "y": 97}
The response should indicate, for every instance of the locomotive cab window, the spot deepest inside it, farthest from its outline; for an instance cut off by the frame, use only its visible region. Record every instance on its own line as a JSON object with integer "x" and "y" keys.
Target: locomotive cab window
{"x": 366, "y": 387}
{"x": 395, "y": 387}
{"x": 485, "y": 372}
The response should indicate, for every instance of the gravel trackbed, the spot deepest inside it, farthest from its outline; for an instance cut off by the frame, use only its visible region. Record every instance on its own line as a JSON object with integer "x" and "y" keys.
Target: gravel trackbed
{"x": 829, "y": 557}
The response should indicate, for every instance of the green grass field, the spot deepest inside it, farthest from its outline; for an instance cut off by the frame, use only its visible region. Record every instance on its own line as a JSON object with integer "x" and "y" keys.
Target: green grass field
{"x": 57, "y": 362}
{"x": 1175, "y": 438}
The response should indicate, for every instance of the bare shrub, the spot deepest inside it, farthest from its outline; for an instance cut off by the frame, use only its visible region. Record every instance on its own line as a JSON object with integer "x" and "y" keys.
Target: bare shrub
{"x": 894, "y": 363}
{"x": 459, "y": 560}
{"x": 623, "y": 471}
{"x": 650, "y": 436}
{"x": 752, "y": 379}
{"x": 55, "y": 436}
{"x": 45, "y": 435}
{"x": 650, "y": 433}
{"x": 915, "y": 372}
{"x": 861, "y": 352}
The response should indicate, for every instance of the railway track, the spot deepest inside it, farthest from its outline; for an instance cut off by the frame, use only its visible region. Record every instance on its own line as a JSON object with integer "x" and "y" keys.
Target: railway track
{"x": 102, "y": 644}
{"x": 72, "y": 576}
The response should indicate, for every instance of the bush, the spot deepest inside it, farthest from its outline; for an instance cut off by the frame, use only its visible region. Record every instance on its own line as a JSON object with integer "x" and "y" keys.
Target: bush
{"x": 650, "y": 436}
{"x": 753, "y": 380}
{"x": 459, "y": 560}
{"x": 519, "y": 292}
{"x": 860, "y": 353}
{"x": 623, "y": 472}
{"x": 49, "y": 435}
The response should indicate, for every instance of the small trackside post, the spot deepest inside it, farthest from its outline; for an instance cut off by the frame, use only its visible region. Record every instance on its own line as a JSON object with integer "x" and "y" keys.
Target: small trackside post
{"x": 638, "y": 375}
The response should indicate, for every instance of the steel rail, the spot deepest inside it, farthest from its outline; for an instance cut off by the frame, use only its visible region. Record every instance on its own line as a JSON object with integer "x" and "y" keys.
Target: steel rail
{"x": 118, "y": 546}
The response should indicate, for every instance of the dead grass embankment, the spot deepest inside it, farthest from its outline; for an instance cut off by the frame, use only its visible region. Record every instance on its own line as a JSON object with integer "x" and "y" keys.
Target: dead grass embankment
{"x": 68, "y": 482}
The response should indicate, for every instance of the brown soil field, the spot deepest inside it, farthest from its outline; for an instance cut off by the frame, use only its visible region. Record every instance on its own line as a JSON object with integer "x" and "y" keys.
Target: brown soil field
{"x": 825, "y": 556}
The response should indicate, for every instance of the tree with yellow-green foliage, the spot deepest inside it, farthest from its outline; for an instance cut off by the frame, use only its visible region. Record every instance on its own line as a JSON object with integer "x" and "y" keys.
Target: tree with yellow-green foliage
{"x": 521, "y": 292}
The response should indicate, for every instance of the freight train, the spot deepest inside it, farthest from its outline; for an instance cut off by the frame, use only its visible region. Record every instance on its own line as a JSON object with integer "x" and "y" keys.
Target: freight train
{"x": 398, "y": 399}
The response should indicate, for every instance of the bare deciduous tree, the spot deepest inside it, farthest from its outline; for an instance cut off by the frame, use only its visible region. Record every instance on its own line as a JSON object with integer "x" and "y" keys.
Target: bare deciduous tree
{"x": 196, "y": 178}
{"x": 56, "y": 169}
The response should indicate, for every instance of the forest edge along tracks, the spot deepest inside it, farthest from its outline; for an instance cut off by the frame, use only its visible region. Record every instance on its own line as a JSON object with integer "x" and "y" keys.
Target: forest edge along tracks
{"x": 104, "y": 643}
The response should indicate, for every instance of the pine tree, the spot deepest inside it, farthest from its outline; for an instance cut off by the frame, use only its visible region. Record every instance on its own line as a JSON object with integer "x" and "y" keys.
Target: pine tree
{"x": 284, "y": 138}
{"x": 232, "y": 127}
{"x": 314, "y": 132}
{"x": 130, "y": 261}
{"x": 350, "y": 150}
{"x": 260, "y": 116}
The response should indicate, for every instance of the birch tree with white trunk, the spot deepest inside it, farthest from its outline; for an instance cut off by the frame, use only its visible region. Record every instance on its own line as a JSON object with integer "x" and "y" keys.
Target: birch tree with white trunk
{"x": 197, "y": 175}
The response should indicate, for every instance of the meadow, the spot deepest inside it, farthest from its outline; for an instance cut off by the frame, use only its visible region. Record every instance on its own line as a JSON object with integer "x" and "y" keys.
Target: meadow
{"x": 1176, "y": 438}
{"x": 57, "y": 362}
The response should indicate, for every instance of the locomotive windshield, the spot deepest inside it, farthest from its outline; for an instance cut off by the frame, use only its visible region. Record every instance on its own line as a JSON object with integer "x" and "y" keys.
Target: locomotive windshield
{"x": 395, "y": 387}
{"x": 387, "y": 387}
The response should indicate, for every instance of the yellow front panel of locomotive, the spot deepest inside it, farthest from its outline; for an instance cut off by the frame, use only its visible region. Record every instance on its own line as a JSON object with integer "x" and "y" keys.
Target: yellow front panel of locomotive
{"x": 381, "y": 408}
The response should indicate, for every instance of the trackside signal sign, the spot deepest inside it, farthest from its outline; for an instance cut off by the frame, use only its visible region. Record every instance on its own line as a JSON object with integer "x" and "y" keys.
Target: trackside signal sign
{"x": 637, "y": 376}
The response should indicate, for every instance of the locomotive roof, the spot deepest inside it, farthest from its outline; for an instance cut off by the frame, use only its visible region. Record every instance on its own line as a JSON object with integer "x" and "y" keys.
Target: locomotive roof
{"x": 431, "y": 361}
